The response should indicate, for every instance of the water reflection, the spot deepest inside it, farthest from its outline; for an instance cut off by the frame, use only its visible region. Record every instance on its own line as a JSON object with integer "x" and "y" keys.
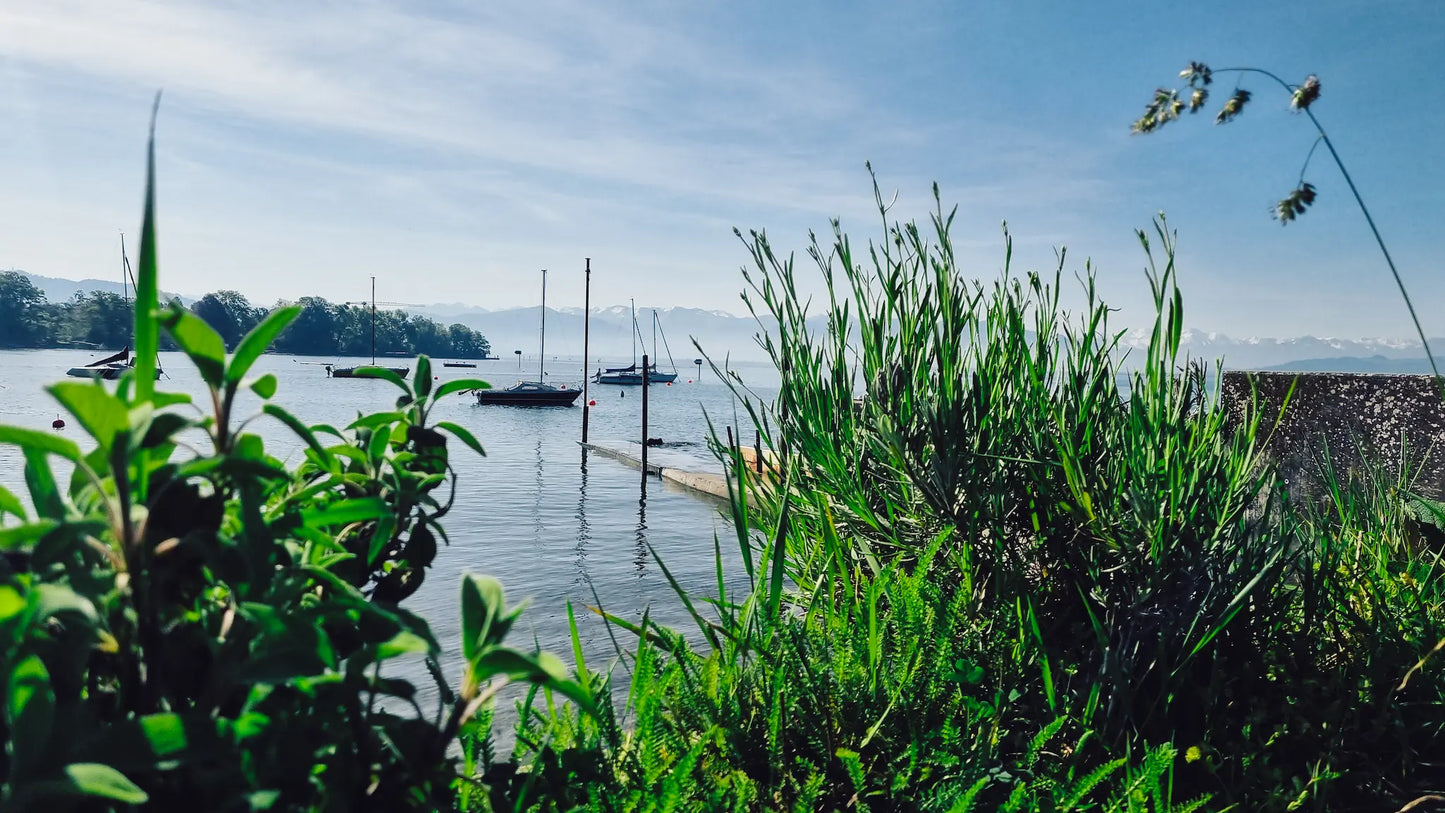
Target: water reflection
{"x": 640, "y": 555}
{"x": 537, "y": 522}
{"x": 584, "y": 528}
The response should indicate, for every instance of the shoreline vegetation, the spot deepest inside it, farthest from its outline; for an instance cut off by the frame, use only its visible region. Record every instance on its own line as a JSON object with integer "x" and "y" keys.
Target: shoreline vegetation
{"x": 103, "y": 320}
{"x": 1002, "y": 580}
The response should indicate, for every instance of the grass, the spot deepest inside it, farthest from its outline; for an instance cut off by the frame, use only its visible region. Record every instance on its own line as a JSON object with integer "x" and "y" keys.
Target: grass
{"x": 1004, "y": 580}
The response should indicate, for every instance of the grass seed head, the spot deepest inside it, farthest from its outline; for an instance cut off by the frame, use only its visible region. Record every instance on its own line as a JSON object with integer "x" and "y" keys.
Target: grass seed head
{"x": 1305, "y": 94}
{"x": 1233, "y": 107}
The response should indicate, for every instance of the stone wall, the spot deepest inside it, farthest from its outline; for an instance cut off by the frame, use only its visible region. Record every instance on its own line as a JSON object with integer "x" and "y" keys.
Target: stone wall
{"x": 1362, "y": 421}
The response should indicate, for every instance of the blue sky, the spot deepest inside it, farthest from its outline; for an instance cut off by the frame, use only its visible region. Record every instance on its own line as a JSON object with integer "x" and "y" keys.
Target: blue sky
{"x": 454, "y": 148}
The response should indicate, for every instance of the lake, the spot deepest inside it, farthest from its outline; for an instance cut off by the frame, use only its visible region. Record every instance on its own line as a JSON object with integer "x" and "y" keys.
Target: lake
{"x": 552, "y": 523}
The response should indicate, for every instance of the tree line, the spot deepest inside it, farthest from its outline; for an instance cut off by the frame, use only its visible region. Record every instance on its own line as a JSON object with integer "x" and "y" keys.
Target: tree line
{"x": 103, "y": 320}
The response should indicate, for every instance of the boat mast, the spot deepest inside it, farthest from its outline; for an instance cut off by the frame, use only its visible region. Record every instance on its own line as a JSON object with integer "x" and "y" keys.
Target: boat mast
{"x": 124, "y": 268}
{"x": 542, "y": 351}
{"x": 634, "y": 331}
{"x": 373, "y": 321}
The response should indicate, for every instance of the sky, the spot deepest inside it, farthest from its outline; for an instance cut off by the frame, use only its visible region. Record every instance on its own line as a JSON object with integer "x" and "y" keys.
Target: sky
{"x": 452, "y": 149}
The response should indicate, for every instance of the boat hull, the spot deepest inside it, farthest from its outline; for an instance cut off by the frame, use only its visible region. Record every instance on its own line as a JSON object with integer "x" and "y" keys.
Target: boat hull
{"x": 350, "y": 372}
{"x": 529, "y": 395}
{"x": 634, "y": 379}
{"x": 109, "y": 372}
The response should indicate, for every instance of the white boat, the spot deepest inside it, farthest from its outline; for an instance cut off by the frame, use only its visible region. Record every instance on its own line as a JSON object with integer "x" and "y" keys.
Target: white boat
{"x": 109, "y": 368}
{"x": 631, "y": 376}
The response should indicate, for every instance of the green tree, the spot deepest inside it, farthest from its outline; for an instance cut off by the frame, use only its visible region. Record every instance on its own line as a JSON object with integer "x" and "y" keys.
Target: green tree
{"x": 229, "y": 313}
{"x": 25, "y": 318}
{"x": 99, "y": 318}
{"x": 314, "y": 331}
{"x": 467, "y": 343}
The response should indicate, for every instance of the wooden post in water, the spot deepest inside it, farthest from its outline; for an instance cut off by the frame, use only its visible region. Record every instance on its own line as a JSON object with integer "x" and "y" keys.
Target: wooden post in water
{"x": 644, "y": 424}
{"x": 586, "y": 335}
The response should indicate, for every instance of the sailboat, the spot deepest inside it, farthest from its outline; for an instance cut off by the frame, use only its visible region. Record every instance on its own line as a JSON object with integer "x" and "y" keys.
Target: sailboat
{"x": 111, "y": 367}
{"x": 630, "y": 375}
{"x": 533, "y": 393}
{"x": 333, "y": 371}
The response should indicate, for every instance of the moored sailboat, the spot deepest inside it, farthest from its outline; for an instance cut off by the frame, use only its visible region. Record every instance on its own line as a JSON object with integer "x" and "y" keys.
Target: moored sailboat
{"x": 112, "y": 367}
{"x": 631, "y": 375}
{"x": 533, "y": 393}
{"x": 333, "y": 371}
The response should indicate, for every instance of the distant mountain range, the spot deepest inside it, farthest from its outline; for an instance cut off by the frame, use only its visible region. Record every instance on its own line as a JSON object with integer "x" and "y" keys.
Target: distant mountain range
{"x": 1301, "y": 353}
{"x": 723, "y": 334}
{"x": 61, "y": 290}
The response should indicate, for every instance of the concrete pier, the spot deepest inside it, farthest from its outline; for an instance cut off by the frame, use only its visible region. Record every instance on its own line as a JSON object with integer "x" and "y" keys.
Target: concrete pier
{"x": 671, "y": 467}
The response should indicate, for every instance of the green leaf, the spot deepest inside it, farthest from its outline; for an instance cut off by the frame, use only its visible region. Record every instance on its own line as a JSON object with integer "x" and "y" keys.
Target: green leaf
{"x": 11, "y": 602}
{"x": 30, "y": 710}
{"x": 541, "y": 668}
{"x": 422, "y": 377}
{"x": 402, "y": 643}
{"x": 100, "y": 413}
{"x": 44, "y": 493}
{"x": 265, "y": 386}
{"x": 459, "y": 385}
{"x": 199, "y": 341}
{"x": 483, "y": 601}
{"x": 32, "y": 439}
{"x": 463, "y": 435}
{"x": 147, "y": 283}
{"x": 345, "y": 512}
{"x": 300, "y": 429}
{"x": 297, "y": 649}
{"x": 163, "y": 429}
{"x": 376, "y": 419}
{"x": 95, "y": 779}
{"x": 17, "y": 536}
{"x": 382, "y": 372}
{"x": 256, "y": 342}
{"x": 49, "y": 600}
{"x": 10, "y": 504}
{"x": 161, "y": 400}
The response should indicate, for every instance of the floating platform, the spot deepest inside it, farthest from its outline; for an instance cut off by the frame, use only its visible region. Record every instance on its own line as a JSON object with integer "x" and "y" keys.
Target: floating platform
{"x": 684, "y": 470}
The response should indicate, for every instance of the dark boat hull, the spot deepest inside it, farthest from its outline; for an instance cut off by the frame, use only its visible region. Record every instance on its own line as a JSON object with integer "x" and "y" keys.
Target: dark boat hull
{"x": 529, "y": 394}
{"x": 350, "y": 372}
{"x": 458, "y": 364}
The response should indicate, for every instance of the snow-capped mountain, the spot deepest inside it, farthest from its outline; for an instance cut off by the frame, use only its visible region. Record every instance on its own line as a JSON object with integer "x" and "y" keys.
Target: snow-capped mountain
{"x": 1254, "y": 352}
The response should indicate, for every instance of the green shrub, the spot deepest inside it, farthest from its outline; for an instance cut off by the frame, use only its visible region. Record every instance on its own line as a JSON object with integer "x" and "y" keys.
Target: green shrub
{"x": 206, "y": 628}
{"x": 1015, "y": 574}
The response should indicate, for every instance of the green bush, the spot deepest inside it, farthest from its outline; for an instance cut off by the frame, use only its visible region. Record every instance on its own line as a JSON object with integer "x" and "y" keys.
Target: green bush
{"x": 1003, "y": 569}
{"x": 186, "y": 622}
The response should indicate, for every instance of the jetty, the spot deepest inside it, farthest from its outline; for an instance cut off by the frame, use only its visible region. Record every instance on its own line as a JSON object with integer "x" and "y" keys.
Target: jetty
{"x": 684, "y": 470}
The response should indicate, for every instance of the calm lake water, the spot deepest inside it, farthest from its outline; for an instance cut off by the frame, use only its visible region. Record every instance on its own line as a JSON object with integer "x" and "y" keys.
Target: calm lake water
{"x": 552, "y": 524}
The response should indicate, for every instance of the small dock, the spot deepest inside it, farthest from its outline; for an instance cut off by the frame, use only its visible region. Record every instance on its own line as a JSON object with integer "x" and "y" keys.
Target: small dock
{"x": 682, "y": 469}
